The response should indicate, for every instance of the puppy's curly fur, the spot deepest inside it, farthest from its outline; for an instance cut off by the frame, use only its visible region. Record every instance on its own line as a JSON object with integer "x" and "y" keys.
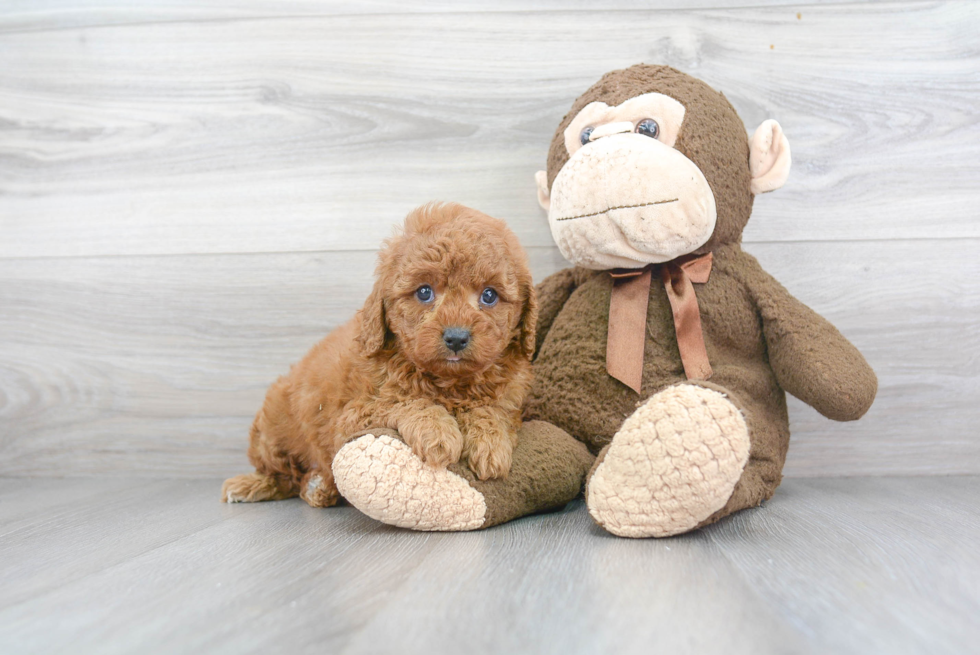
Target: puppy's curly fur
{"x": 391, "y": 365}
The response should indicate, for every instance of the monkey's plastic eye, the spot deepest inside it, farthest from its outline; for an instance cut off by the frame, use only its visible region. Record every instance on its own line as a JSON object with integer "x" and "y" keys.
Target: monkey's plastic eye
{"x": 648, "y": 127}
{"x": 425, "y": 294}
{"x": 488, "y": 297}
{"x": 586, "y": 133}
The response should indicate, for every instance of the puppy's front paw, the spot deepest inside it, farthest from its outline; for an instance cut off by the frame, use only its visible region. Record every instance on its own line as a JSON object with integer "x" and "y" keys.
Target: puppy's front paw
{"x": 441, "y": 448}
{"x": 488, "y": 449}
{"x": 434, "y": 436}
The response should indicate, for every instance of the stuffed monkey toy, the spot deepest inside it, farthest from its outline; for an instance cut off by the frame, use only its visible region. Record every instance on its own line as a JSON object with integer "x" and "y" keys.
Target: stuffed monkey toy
{"x": 666, "y": 350}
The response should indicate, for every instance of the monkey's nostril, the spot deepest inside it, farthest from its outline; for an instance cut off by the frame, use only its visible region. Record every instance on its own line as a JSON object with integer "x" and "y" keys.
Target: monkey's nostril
{"x": 456, "y": 339}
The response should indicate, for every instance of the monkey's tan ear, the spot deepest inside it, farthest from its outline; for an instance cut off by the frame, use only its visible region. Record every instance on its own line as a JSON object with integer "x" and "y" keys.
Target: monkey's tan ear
{"x": 769, "y": 158}
{"x": 374, "y": 327}
{"x": 544, "y": 195}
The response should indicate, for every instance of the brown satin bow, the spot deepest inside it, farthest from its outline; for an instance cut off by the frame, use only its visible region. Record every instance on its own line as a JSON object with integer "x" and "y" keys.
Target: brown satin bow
{"x": 628, "y": 318}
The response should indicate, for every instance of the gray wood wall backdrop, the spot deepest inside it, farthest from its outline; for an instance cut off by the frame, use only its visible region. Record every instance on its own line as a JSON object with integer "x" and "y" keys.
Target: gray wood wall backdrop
{"x": 191, "y": 194}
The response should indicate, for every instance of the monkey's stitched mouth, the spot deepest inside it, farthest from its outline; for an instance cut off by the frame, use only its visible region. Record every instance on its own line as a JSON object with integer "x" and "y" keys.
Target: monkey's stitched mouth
{"x": 609, "y": 209}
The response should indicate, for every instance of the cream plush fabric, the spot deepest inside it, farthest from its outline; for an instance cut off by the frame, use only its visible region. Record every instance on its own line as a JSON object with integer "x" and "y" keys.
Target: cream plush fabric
{"x": 385, "y": 480}
{"x": 605, "y": 215}
{"x": 674, "y": 463}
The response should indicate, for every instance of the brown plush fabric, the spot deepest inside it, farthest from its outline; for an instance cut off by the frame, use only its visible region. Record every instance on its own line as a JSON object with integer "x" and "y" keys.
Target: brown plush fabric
{"x": 760, "y": 340}
{"x": 548, "y": 471}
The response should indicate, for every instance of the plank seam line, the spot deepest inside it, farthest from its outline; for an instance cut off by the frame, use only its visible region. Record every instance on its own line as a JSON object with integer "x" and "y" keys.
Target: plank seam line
{"x": 251, "y": 253}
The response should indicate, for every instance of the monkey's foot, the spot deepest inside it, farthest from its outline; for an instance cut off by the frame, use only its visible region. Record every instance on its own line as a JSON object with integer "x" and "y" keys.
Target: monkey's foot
{"x": 382, "y": 477}
{"x": 673, "y": 463}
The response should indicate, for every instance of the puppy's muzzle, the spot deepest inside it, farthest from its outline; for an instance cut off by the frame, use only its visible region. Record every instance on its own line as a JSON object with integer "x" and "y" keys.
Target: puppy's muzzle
{"x": 456, "y": 339}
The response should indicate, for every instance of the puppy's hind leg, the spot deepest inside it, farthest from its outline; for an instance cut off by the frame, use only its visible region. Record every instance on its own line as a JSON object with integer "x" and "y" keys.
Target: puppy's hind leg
{"x": 255, "y": 487}
{"x": 318, "y": 488}
{"x": 277, "y": 473}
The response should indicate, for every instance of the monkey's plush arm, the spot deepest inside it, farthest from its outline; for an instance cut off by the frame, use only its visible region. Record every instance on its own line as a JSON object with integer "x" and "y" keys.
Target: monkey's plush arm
{"x": 811, "y": 359}
{"x": 553, "y": 292}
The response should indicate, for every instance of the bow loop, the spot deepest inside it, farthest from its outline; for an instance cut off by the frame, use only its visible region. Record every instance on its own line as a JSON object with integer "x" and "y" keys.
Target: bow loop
{"x": 698, "y": 268}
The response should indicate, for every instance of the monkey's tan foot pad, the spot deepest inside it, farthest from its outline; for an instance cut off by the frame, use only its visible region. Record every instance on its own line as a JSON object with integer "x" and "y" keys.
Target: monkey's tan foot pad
{"x": 382, "y": 477}
{"x": 673, "y": 463}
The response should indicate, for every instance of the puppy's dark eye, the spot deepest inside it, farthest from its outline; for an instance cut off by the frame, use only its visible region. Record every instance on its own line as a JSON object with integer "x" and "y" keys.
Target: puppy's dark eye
{"x": 425, "y": 294}
{"x": 648, "y": 127}
{"x": 488, "y": 297}
{"x": 586, "y": 133}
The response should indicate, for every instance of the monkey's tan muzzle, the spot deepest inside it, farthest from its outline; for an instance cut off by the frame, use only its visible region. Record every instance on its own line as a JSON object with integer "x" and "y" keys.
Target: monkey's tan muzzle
{"x": 627, "y": 200}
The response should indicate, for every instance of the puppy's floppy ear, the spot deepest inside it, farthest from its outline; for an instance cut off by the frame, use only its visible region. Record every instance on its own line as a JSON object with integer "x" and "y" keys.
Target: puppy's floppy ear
{"x": 374, "y": 326}
{"x": 529, "y": 315}
{"x": 374, "y": 323}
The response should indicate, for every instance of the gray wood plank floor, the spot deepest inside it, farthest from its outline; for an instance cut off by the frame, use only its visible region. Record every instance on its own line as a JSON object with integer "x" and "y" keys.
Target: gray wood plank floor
{"x": 845, "y": 565}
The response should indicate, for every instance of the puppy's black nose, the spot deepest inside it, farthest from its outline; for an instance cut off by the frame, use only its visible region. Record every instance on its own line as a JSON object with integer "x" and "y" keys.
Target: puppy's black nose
{"x": 456, "y": 338}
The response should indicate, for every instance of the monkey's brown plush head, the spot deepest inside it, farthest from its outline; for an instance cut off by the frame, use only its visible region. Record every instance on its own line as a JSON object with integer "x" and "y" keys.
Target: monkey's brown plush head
{"x": 651, "y": 164}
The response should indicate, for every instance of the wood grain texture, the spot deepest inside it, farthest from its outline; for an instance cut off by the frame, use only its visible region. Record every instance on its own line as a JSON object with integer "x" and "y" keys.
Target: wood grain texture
{"x": 191, "y": 194}
{"x": 314, "y": 133}
{"x": 851, "y": 551}
{"x": 117, "y": 513}
{"x": 30, "y": 15}
{"x": 157, "y": 364}
{"x": 829, "y": 565}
